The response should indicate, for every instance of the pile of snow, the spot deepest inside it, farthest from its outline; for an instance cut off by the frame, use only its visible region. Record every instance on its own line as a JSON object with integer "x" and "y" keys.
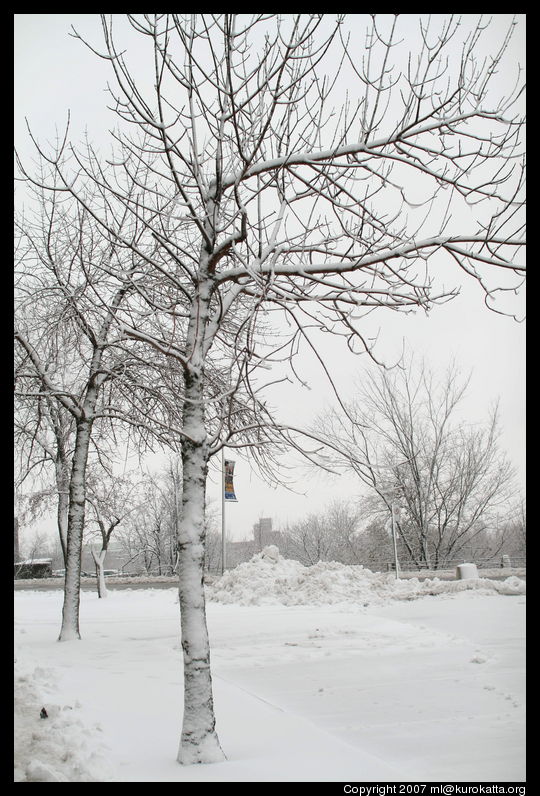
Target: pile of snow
{"x": 51, "y": 743}
{"x": 511, "y": 586}
{"x": 269, "y": 579}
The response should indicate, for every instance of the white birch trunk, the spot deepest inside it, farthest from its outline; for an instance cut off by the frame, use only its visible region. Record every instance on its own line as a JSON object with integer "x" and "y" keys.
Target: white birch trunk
{"x": 99, "y": 561}
{"x": 199, "y": 742}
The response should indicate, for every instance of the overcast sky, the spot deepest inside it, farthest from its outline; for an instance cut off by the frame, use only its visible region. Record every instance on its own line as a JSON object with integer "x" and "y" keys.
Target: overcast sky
{"x": 54, "y": 73}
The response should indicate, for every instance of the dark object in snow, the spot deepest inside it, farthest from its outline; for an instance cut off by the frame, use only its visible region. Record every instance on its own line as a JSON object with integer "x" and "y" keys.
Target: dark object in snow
{"x": 43, "y": 713}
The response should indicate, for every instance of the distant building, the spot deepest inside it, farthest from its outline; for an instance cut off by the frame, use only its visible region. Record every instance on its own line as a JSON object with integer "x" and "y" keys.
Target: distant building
{"x": 263, "y": 534}
{"x": 238, "y": 552}
{"x": 33, "y": 568}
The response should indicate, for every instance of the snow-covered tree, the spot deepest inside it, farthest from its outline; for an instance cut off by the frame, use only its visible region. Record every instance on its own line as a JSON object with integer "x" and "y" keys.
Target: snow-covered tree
{"x": 112, "y": 499}
{"x": 72, "y": 371}
{"x": 148, "y": 534}
{"x": 149, "y": 531}
{"x": 327, "y": 535}
{"x": 405, "y": 438}
{"x": 44, "y": 433}
{"x": 287, "y": 175}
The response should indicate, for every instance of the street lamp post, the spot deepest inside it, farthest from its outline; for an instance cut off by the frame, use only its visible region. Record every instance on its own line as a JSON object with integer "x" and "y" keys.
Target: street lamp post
{"x": 392, "y": 497}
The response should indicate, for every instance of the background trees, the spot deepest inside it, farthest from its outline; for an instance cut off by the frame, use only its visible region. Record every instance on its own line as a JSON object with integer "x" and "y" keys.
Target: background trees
{"x": 43, "y": 437}
{"x": 79, "y": 383}
{"x": 331, "y": 535}
{"x": 62, "y": 332}
{"x": 148, "y": 535}
{"x": 253, "y": 206}
{"x": 111, "y": 500}
{"x": 405, "y": 437}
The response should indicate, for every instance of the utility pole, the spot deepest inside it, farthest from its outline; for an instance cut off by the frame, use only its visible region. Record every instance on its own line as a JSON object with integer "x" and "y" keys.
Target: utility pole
{"x": 390, "y": 495}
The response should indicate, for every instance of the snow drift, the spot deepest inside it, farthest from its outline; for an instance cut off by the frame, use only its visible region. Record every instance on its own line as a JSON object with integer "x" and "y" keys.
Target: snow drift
{"x": 58, "y": 747}
{"x": 268, "y": 579}
{"x": 323, "y": 685}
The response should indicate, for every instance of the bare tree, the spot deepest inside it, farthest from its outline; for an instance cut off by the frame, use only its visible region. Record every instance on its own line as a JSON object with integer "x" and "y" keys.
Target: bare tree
{"x": 375, "y": 543}
{"x": 517, "y": 537}
{"x": 508, "y": 534}
{"x": 274, "y": 206}
{"x": 406, "y": 440}
{"x": 112, "y": 499}
{"x": 70, "y": 360}
{"x": 309, "y": 540}
{"x": 344, "y": 519}
{"x": 149, "y": 533}
{"x": 37, "y": 546}
{"x": 150, "y": 530}
{"x": 44, "y": 432}
{"x": 330, "y": 535}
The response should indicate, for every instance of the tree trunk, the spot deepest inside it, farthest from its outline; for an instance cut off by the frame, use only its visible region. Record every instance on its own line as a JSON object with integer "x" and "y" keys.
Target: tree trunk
{"x": 99, "y": 561}
{"x": 199, "y": 742}
{"x": 62, "y": 481}
{"x": 77, "y": 499}
{"x": 425, "y": 549}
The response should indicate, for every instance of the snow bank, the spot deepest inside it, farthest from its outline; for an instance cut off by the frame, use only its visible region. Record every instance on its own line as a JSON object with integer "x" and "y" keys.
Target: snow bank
{"x": 268, "y": 579}
{"x": 56, "y": 747}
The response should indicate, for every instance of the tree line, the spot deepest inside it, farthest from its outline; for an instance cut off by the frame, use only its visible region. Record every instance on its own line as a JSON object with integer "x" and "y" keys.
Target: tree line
{"x": 448, "y": 484}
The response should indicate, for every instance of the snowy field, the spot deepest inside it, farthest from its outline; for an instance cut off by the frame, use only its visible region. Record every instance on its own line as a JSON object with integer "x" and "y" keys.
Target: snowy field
{"x": 326, "y": 673}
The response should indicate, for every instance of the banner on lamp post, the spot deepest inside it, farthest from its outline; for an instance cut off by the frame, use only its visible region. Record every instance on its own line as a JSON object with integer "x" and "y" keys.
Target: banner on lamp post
{"x": 228, "y": 485}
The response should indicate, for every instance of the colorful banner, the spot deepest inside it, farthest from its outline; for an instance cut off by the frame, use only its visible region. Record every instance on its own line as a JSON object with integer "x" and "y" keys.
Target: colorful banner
{"x": 228, "y": 481}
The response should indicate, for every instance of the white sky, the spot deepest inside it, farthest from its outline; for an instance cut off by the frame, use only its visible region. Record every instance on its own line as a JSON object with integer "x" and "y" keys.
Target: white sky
{"x": 54, "y": 73}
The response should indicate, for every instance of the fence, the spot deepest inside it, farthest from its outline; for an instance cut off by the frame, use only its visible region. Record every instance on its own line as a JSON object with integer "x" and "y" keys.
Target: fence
{"x": 384, "y": 565}
{"x": 504, "y": 561}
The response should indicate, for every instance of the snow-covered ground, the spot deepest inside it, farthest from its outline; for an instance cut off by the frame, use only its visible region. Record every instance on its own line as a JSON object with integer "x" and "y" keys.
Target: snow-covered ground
{"x": 325, "y": 673}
